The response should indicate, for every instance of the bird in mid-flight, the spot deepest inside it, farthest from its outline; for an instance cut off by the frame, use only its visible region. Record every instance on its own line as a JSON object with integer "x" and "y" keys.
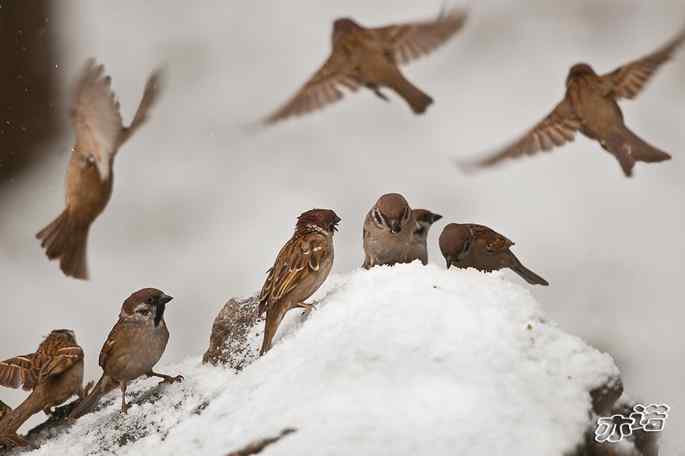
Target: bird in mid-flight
{"x": 370, "y": 57}
{"x": 99, "y": 135}
{"x": 590, "y": 106}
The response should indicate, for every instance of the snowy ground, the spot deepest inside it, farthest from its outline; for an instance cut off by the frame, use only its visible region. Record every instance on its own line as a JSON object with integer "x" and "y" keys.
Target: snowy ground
{"x": 403, "y": 361}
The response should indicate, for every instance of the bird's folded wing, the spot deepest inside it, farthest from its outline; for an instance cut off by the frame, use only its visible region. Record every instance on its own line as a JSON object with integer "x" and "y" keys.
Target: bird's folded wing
{"x": 408, "y": 42}
{"x": 61, "y": 360}
{"x": 18, "y": 372}
{"x": 494, "y": 242}
{"x": 110, "y": 344}
{"x": 555, "y": 130}
{"x": 630, "y": 79}
{"x": 95, "y": 109}
{"x": 322, "y": 89}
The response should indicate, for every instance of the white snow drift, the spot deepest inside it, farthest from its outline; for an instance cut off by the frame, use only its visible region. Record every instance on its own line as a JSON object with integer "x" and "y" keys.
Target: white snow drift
{"x": 399, "y": 361}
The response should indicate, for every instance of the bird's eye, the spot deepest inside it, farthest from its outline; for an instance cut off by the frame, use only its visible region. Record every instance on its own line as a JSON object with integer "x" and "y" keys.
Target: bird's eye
{"x": 91, "y": 159}
{"x": 150, "y": 300}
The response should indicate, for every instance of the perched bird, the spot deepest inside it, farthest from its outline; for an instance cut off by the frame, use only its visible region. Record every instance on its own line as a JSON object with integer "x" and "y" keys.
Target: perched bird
{"x": 133, "y": 347}
{"x": 388, "y": 230}
{"x": 477, "y": 246}
{"x": 370, "y": 57}
{"x": 301, "y": 267}
{"x": 418, "y": 249}
{"x": 53, "y": 374}
{"x": 590, "y": 106}
{"x": 99, "y": 135}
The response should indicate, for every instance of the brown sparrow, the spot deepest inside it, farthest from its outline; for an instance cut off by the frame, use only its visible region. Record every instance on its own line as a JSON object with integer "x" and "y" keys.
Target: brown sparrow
{"x": 53, "y": 374}
{"x": 133, "y": 347}
{"x": 418, "y": 249}
{"x": 388, "y": 230}
{"x": 301, "y": 267}
{"x": 99, "y": 135}
{"x": 590, "y": 106}
{"x": 370, "y": 57}
{"x": 476, "y": 246}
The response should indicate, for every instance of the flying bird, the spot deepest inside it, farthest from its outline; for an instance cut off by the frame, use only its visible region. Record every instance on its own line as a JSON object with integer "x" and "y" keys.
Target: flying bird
{"x": 370, "y": 57}
{"x": 100, "y": 133}
{"x": 418, "y": 249}
{"x": 590, "y": 106}
{"x": 132, "y": 349}
{"x": 302, "y": 265}
{"x": 476, "y": 246}
{"x": 53, "y": 374}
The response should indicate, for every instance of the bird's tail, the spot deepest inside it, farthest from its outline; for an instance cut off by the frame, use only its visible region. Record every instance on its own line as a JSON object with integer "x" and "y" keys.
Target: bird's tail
{"x": 66, "y": 238}
{"x": 629, "y": 148}
{"x": 87, "y": 404}
{"x": 274, "y": 316}
{"x": 418, "y": 100}
{"x": 13, "y": 420}
{"x": 527, "y": 275}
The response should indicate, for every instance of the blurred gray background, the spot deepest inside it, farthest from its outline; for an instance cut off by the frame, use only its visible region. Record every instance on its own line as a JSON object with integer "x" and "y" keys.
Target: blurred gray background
{"x": 202, "y": 202}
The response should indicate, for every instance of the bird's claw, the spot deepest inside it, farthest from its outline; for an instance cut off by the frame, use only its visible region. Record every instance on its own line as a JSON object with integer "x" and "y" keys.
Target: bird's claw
{"x": 169, "y": 380}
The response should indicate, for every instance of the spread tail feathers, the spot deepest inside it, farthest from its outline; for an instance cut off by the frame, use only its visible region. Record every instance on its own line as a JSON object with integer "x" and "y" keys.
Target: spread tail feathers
{"x": 528, "y": 275}
{"x": 66, "y": 238}
{"x": 629, "y": 148}
{"x": 87, "y": 404}
{"x": 417, "y": 100}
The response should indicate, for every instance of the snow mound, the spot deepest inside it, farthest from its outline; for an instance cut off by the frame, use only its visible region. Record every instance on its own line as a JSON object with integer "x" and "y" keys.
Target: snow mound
{"x": 401, "y": 361}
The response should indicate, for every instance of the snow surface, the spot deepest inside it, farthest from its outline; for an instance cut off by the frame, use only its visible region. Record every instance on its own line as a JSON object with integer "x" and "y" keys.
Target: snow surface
{"x": 400, "y": 361}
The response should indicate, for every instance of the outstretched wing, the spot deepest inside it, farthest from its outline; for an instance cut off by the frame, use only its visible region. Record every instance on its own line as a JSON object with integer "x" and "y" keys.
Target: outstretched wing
{"x": 555, "y": 130}
{"x": 407, "y": 42}
{"x": 322, "y": 89}
{"x": 630, "y": 79}
{"x": 299, "y": 257}
{"x": 19, "y": 372}
{"x": 95, "y": 109}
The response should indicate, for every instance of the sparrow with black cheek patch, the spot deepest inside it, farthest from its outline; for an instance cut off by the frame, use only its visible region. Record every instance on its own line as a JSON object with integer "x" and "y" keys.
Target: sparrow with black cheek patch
{"x": 99, "y": 135}
{"x": 133, "y": 348}
{"x": 590, "y": 106}
{"x": 301, "y": 267}
{"x": 388, "y": 230}
{"x": 53, "y": 374}
{"x": 476, "y": 246}
{"x": 418, "y": 250}
{"x": 370, "y": 57}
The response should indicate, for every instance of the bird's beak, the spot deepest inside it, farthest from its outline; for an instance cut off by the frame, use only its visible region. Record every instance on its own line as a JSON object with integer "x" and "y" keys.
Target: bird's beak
{"x": 395, "y": 227}
{"x": 449, "y": 263}
{"x": 435, "y": 218}
{"x": 165, "y": 298}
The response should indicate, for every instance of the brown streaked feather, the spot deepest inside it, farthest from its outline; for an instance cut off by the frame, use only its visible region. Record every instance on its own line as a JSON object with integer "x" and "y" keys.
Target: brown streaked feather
{"x": 151, "y": 93}
{"x": 630, "y": 79}
{"x": 555, "y": 130}
{"x": 322, "y": 89}
{"x": 19, "y": 372}
{"x": 492, "y": 240}
{"x": 59, "y": 361}
{"x": 407, "y": 42}
{"x": 300, "y": 256}
{"x": 110, "y": 344}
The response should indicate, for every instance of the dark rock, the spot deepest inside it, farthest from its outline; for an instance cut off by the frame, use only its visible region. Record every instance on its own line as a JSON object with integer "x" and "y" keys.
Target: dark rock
{"x": 229, "y": 343}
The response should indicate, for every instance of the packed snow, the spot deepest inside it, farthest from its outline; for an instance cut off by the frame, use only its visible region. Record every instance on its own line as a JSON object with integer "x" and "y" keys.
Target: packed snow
{"x": 401, "y": 361}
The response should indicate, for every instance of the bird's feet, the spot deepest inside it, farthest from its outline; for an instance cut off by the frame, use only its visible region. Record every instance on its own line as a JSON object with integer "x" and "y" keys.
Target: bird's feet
{"x": 167, "y": 379}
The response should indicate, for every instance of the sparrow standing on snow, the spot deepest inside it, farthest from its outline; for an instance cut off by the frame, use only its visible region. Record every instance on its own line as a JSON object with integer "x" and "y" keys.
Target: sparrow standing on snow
{"x": 370, "y": 57}
{"x": 477, "y": 246}
{"x": 99, "y": 135}
{"x": 388, "y": 230}
{"x": 301, "y": 267}
{"x": 590, "y": 107}
{"x": 418, "y": 249}
{"x": 134, "y": 346}
{"x": 53, "y": 374}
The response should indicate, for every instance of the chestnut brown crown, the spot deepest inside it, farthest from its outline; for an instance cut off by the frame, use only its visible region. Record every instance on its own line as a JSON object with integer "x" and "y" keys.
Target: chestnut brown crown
{"x": 322, "y": 218}
{"x": 146, "y": 304}
{"x": 579, "y": 70}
